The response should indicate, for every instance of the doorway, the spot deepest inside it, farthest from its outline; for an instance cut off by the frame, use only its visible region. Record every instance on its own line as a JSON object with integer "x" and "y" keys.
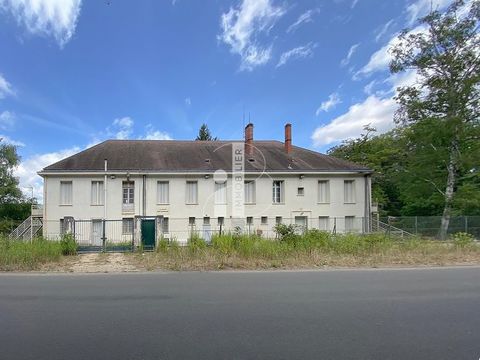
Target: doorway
{"x": 148, "y": 233}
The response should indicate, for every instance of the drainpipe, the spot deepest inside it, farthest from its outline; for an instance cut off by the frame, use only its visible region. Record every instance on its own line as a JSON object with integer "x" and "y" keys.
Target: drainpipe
{"x": 368, "y": 209}
{"x": 144, "y": 196}
{"x": 105, "y": 191}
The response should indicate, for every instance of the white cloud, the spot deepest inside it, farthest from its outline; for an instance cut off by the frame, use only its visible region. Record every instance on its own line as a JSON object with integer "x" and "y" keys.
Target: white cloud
{"x": 52, "y": 18}
{"x": 380, "y": 59}
{"x": 153, "y": 134}
{"x": 188, "y": 101}
{"x": 420, "y": 8}
{"x": 7, "y": 120}
{"x": 351, "y": 51}
{"x": 28, "y": 168}
{"x": 374, "y": 111}
{"x": 383, "y": 30}
{"x": 299, "y": 52}
{"x": 354, "y": 3}
{"x": 8, "y": 140}
{"x": 242, "y": 26}
{"x": 122, "y": 127}
{"x": 5, "y": 86}
{"x": 304, "y": 18}
{"x": 332, "y": 101}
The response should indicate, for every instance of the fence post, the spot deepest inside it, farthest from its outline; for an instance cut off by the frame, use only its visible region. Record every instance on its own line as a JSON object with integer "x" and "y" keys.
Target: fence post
{"x": 466, "y": 224}
{"x": 416, "y": 225}
{"x": 104, "y": 242}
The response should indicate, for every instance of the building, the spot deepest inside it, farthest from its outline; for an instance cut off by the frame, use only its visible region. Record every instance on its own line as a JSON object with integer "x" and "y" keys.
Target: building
{"x": 151, "y": 188}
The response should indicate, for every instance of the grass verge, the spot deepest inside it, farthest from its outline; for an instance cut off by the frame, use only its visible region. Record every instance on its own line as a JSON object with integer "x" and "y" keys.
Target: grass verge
{"x": 312, "y": 250}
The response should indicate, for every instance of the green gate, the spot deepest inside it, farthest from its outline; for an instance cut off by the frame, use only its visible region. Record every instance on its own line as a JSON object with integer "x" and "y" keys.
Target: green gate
{"x": 148, "y": 233}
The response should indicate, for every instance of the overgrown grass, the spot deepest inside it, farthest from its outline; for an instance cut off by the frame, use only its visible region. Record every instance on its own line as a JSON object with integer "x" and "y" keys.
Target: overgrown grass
{"x": 18, "y": 255}
{"x": 309, "y": 250}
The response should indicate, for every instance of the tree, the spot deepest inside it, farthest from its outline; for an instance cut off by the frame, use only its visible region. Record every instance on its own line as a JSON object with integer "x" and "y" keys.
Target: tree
{"x": 9, "y": 160}
{"x": 204, "y": 134}
{"x": 442, "y": 110}
{"x": 383, "y": 154}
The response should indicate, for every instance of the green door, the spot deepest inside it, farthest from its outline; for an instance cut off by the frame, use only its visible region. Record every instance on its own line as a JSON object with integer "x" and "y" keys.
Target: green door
{"x": 148, "y": 234}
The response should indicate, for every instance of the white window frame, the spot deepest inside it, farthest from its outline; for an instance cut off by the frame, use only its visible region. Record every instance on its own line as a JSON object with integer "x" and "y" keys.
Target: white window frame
{"x": 127, "y": 226}
{"x": 250, "y": 191}
{"x": 128, "y": 189}
{"x": 349, "y": 198}
{"x": 66, "y": 198}
{"x": 324, "y": 223}
{"x": 165, "y": 193}
{"x": 323, "y": 197}
{"x": 278, "y": 191}
{"x": 97, "y": 194}
{"x": 189, "y": 201}
{"x": 220, "y": 193}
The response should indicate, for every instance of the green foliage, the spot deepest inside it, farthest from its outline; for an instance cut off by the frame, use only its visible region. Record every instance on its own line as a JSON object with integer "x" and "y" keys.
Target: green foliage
{"x": 68, "y": 245}
{"x": 19, "y": 255}
{"x": 162, "y": 245}
{"x": 204, "y": 134}
{"x": 9, "y": 160}
{"x": 462, "y": 240}
{"x": 286, "y": 232}
{"x": 196, "y": 243}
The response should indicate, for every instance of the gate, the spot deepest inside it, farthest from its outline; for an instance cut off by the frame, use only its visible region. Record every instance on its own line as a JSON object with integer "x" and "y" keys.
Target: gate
{"x": 99, "y": 235}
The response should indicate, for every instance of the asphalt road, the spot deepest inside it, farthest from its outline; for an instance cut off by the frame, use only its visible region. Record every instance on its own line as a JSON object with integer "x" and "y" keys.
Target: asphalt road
{"x": 367, "y": 314}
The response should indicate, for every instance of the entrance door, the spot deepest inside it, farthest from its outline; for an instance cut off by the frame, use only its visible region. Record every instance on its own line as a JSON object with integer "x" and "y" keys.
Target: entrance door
{"x": 301, "y": 222}
{"x": 97, "y": 233}
{"x": 148, "y": 233}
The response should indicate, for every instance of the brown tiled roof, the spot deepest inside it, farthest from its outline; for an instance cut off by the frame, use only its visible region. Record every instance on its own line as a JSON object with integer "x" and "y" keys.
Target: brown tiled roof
{"x": 196, "y": 156}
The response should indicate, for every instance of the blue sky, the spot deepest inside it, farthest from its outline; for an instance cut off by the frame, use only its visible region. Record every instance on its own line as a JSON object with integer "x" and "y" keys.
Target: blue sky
{"x": 73, "y": 72}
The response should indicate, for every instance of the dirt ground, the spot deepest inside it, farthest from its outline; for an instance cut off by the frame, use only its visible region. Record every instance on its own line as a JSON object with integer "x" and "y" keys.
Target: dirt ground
{"x": 94, "y": 263}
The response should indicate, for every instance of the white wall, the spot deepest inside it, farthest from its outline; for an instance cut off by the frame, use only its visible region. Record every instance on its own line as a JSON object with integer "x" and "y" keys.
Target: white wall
{"x": 178, "y": 212}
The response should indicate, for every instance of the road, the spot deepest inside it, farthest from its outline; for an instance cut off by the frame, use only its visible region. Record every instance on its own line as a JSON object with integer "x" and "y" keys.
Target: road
{"x": 358, "y": 314}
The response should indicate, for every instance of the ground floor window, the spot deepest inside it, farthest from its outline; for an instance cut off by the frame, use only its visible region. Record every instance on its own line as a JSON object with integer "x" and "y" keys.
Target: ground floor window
{"x": 165, "y": 227}
{"x": 127, "y": 226}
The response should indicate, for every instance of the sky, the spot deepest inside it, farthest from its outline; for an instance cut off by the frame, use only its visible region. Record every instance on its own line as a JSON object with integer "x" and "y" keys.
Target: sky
{"x": 77, "y": 72}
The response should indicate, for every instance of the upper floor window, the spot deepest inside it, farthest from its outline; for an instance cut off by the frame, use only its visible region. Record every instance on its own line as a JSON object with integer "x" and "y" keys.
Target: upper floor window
{"x": 277, "y": 192}
{"x": 66, "y": 192}
{"x": 221, "y": 192}
{"x": 97, "y": 194}
{"x": 249, "y": 191}
{"x": 300, "y": 191}
{"x": 128, "y": 194}
{"x": 191, "y": 195}
{"x": 349, "y": 191}
{"x": 323, "y": 191}
{"x": 163, "y": 195}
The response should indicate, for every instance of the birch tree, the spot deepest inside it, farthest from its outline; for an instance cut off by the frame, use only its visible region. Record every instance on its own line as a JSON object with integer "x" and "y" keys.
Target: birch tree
{"x": 442, "y": 109}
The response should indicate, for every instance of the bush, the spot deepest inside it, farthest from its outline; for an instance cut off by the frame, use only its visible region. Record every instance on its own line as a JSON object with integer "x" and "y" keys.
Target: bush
{"x": 462, "y": 239}
{"x": 196, "y": 243}
{"x": 225, "y": 244}
{"x": 68, "y": 245}
{"x": 162, "y": 245}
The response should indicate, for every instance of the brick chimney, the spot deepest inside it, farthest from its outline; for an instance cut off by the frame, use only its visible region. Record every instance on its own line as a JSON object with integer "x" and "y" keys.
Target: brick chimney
{"x": 249, "y": 139}
{"x": 288, "y": 138}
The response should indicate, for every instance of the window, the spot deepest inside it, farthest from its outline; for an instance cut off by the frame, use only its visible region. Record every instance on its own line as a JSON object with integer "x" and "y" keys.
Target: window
{"x": 206, "y": 220}
{"x": 66, "y": 225}
{"x": 165, "y": 225}
{"x": 128, "y": 189}
{"x": 66, "y": 192}
{"x": 300, "y": 191}
{"x": 349, "y": 191}
{"x": 221, "y": 193}
{"x": 191, "y": 196}
{"x": 278, "y": 220}
{"x": 349, "y": 223}
{"x": 163, "y": 192}
{"x": 97, "y": 194}
{"x": 323, "y": 191}
{"x": 264, "y": 220}
{"x": 127, "y": 226}
{"x": 249, "y": 220}
{"x": 249, "y": 192}
{"x": 323, "y": 223}
{"x": 221, "y": 221}
{"x": 191, "y": 221}
{"x": 277, "y": 192}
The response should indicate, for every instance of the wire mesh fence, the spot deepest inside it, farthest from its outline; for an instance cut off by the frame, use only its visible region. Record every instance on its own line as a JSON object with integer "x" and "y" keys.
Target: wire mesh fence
{"x": 428, "y": 226}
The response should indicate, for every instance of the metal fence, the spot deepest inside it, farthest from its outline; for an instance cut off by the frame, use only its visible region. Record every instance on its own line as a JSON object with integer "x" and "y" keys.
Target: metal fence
{"x": 428, "y": 226}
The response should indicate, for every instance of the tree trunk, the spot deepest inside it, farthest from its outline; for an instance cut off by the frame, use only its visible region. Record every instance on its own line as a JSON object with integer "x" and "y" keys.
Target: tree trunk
{"x": 450, "y": 188}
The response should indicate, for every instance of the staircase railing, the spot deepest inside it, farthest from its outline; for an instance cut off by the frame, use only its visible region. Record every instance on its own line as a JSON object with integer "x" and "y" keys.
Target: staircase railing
{"x": 28, "y": 229}
{"x": 21, "y": 229}
{"x": 379, "y": 226}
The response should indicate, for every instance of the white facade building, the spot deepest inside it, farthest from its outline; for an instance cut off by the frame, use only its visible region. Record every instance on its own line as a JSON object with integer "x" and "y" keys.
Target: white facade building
{"x": 147, "y": 189}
